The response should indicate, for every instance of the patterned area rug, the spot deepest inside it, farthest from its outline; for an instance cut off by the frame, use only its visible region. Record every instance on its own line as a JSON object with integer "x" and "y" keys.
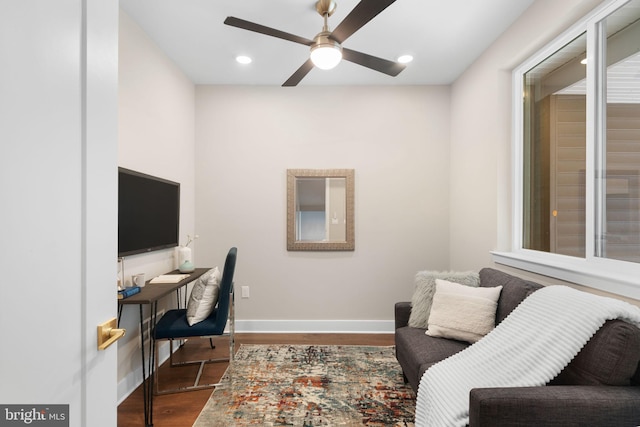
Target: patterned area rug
{"x": 300, "y": 385}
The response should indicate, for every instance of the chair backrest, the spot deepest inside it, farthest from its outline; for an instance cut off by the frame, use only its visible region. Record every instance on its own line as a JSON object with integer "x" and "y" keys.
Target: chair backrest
{"x": 221, "y": 313}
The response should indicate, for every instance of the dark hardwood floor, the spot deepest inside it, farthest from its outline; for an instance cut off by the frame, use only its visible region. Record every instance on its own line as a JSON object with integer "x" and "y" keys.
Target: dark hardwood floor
{"x": 182, "y": 409}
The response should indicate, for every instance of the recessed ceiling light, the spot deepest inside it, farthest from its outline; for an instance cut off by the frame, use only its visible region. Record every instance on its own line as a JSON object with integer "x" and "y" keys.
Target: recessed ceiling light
{"x": 242, "y": 59}
{"x": 405, "y": 59}
{"x": 584, "y": 61}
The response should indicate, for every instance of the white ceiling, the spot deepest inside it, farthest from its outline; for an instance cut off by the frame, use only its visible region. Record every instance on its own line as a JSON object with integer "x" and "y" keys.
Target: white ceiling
{"x": 444, "y": 36}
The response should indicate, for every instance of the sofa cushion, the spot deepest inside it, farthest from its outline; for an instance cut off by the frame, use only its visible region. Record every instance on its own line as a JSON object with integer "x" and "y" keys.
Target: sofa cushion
{"x": 425, "y": 288}
{"x": 514, "y": 290}
{"x": 415, "y": 349}
{"x": 461, "y": 312}
{"x": 610, "y": 357}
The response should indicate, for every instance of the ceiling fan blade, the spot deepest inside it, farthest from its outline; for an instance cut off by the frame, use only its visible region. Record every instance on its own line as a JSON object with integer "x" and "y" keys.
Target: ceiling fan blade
{"x": 251, "y": 26}
{"x": 299, "y": 74}
{"x": 364, "y": 12}
{"x": 378, "y": 64}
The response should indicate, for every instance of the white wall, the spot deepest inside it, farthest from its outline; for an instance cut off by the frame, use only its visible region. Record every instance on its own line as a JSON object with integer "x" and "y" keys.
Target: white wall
{"x": 155, "y": 136}
{"x": 396, "y": 139}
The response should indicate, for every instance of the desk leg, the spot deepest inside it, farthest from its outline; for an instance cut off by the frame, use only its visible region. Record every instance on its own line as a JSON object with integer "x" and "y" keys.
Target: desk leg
{"x": 147, "y": 414}
{"x": 120, "y": 306}
{"x": 152, "y": 361}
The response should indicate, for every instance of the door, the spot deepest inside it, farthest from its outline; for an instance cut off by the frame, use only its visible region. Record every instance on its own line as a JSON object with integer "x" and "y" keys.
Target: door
{"x": 58, "y": 184}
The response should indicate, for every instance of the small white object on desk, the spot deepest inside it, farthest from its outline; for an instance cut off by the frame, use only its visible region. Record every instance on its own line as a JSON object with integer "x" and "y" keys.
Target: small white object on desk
{"x": 169, "y": 278}
{"x": 184, "y": 254}
{"x": 138, "y": 280}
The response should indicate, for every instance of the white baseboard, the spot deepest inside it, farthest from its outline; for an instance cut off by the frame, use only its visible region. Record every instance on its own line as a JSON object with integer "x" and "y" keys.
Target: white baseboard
{"x": 317, "y": 326}
{"x": 133, "y": 380}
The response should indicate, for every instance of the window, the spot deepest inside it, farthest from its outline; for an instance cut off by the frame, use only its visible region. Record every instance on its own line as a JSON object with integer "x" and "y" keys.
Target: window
{"x": 554, "y": 152}
{"x": 577, "y": 154}
{"x": 618, "y": 220}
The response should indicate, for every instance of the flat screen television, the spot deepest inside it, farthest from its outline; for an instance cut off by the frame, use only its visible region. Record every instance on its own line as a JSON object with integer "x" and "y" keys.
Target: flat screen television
{"x": 148, "y": 213}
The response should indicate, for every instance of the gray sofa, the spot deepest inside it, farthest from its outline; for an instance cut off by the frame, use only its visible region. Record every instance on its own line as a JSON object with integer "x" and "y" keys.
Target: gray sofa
{"x": 600, "y": 387}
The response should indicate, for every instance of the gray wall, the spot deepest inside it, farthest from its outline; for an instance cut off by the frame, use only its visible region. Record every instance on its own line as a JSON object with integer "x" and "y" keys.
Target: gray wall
{"x": 396, "y": 139}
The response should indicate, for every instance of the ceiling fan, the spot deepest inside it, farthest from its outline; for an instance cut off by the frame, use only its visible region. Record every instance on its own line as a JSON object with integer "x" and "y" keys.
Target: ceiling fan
{"x": 326, "y": 46}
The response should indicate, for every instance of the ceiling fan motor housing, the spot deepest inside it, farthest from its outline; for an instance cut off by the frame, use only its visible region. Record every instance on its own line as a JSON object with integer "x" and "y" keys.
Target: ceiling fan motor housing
{"x": 326, "y": 7}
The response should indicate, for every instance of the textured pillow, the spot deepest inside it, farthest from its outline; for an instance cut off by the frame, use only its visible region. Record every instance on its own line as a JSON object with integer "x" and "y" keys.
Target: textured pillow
{"x": 204, "y": 296}
{"x": 426, "y": 287}
{"x": 461, "y": 312}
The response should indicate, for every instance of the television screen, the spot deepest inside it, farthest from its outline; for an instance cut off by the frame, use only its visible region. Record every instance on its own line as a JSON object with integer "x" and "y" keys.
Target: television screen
{"x": 148, "y": 213}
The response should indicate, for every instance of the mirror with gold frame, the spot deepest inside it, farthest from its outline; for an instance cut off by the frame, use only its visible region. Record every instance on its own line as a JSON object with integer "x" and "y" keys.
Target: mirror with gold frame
{"x": 320, "y": 210}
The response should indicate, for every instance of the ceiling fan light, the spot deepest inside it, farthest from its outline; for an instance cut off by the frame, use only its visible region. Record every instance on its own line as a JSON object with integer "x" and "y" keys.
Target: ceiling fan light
{"x": 325, "y": 53}
{"x": 326, "y": 57}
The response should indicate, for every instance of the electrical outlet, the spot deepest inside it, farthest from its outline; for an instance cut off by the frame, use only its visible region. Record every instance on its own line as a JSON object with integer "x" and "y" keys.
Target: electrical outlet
{"x": 245, "y": 292}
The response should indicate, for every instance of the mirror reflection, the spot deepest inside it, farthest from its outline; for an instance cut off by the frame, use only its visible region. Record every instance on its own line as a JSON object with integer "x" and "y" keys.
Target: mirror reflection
{"x": 320, "y": 209}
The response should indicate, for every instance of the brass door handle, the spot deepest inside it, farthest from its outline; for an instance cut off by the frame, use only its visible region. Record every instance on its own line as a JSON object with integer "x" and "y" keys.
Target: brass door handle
{"x": 108, "y": 333}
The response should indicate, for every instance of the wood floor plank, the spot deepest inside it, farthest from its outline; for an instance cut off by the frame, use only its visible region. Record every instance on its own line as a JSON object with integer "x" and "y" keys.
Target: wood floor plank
{"x": 182, "y": 409}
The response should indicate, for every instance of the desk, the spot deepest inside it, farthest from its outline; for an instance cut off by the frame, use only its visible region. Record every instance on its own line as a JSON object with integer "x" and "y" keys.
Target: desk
{"x": 150, "y": 294}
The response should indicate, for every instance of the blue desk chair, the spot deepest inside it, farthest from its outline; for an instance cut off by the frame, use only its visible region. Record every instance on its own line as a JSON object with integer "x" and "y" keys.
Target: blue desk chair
{"x": 174, "y": 326}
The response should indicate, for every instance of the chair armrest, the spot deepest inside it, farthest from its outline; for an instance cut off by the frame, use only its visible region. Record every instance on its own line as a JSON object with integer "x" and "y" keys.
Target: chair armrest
{"x": 592, "y": 406}
{"x": 402, "y": 313}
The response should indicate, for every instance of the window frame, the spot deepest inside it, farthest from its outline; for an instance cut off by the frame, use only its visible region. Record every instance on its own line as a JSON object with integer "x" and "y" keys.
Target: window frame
{"x": 618, "y": 277}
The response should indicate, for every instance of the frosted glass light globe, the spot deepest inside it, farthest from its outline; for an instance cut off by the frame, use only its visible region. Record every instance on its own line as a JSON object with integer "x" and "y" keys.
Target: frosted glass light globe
{"x": 326, "y": 57}
{"x": 325, "y": 53}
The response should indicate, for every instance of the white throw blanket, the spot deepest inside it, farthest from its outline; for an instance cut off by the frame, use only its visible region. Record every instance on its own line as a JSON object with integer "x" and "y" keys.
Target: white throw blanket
{"x": 528, "y": 348}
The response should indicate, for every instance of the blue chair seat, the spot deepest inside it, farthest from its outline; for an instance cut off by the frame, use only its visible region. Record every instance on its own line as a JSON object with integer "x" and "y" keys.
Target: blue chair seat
{"x": 173, "y": 324}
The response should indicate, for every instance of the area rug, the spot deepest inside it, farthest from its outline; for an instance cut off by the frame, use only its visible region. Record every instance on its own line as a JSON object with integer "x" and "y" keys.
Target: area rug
{"x": 302, "y": 385}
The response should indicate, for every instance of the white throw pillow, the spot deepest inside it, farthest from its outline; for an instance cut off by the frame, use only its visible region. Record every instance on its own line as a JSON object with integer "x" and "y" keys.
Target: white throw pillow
{"x": 461, "y": 312}
{"x": 425, "y": 288}
{"x": 204, "y": 297}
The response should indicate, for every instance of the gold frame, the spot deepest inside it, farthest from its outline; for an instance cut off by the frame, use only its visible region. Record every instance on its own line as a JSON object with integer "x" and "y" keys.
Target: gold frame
{"x": 295, "y": 245}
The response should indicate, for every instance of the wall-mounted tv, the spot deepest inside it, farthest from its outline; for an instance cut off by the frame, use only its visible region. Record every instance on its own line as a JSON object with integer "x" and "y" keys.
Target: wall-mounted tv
{"x": 148, "y": 213}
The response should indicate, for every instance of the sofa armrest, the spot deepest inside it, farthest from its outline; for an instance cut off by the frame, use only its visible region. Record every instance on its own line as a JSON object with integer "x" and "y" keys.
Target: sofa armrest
{"x": 591, "y": 406}
{"x": 402, "y": 313}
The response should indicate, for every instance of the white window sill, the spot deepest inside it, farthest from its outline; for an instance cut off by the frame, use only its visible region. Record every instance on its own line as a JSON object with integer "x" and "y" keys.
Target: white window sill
{"x": 616, "y": 277}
